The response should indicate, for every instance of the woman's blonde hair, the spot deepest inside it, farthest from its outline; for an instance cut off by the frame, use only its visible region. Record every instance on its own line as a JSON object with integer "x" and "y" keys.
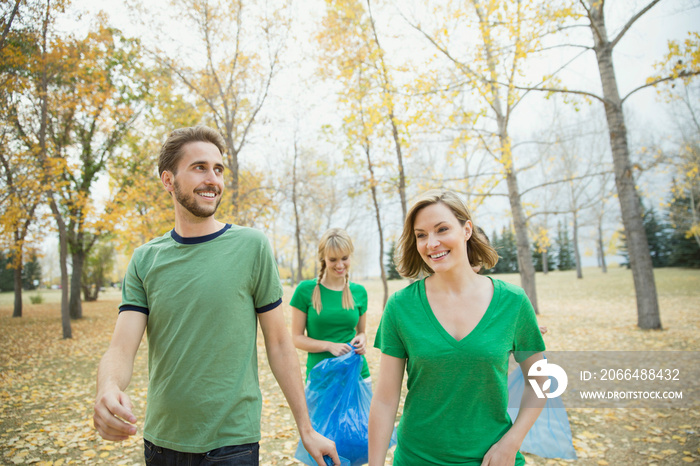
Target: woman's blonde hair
{"x": 408, "y": 261}
{"x": 336, "y": 242}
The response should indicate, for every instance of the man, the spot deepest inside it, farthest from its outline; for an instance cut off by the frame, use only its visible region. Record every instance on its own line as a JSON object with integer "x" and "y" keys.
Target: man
{"x": 200, "y": 290}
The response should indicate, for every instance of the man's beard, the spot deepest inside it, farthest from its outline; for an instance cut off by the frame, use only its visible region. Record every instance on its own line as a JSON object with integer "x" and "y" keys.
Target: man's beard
{"x": 189, "y": 202}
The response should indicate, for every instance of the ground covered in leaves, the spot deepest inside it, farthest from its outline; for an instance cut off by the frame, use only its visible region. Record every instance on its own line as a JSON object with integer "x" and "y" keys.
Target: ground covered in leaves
{"x": 47, "y": 384}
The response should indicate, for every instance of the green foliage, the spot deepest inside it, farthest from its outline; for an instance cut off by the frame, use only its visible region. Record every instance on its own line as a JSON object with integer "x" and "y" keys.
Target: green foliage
{"x": 97, "y": 269}
{"x": 31, "y": 273}
{"x": 7, "y": 282}
{"x": 685, "y": 250}
{"x": 507, "y": 250}
{"x": 37, "y": 298}
{"x": 538, "y": 258}
{"x": 391, "y": 272}
{"x": 565, "y": 249}
{"x": 658, "y": 238}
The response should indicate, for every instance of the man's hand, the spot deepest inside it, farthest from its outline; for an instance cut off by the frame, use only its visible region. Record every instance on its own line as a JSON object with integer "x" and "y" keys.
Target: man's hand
{"x": 113, "y": 417}
{"x": 319, "y": 446}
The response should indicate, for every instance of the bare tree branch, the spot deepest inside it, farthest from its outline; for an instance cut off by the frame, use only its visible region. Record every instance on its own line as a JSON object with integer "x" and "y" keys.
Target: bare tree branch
{"x": 631, "y": 21}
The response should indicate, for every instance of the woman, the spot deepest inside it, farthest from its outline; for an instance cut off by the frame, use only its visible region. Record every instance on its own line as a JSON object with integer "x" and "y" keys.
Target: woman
{"x": 453, "y": 333}
{"x": 329, "y": 313}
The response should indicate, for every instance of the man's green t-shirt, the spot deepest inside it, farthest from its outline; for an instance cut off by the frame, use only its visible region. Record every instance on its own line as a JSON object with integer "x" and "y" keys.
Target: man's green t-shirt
{"x": 333, "y": 323}
{"x": 201, "y": 296}
{"x": 456, "y": 406}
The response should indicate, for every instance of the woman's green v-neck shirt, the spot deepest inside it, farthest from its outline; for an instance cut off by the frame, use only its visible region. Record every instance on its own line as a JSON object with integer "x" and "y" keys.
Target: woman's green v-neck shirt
{"x": 333, "y": 323}
{"x": 456, "y": 406}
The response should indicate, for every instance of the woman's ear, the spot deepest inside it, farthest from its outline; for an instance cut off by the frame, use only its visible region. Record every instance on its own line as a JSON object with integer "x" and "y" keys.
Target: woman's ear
{"x": 468, "y": 229}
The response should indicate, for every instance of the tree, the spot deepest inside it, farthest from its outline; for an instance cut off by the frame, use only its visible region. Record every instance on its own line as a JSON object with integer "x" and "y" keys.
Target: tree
{"x": 20, "y": 178}
{"x": 507, "y": 33}
{"x": 97, "y": 269}
{"x": 681, "y": 62}
{"x": 7, "y": 281}
{"x": 352, "y": 56}
{"x": 683, "y": 160}
{"x": 241, "y": 43}
{"x": 685, "y": 251}
{"x": 31, "y": 272}
{"x": 391, "y": 272}
{"x": 542, "y": 260}
{"x": 506, "y": 247}
{"x": 109, "y": 83}
{"x": 565, "y": 250}
{"x": 35, "y": 129}
{"x": 659, "y": 236}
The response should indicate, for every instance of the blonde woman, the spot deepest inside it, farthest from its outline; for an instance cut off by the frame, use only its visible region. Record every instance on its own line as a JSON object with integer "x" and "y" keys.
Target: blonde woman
{"x": 452, "y": 333}
{"x": 328, "y": 313}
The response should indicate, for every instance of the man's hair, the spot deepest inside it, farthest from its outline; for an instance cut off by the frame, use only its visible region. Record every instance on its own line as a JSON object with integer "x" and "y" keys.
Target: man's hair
{"x": 408, "y": 261}
{"x": 171, "y": 151}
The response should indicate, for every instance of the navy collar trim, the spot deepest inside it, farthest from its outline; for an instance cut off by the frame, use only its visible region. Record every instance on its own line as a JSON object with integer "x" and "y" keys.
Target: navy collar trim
{"x": 198, "y": 239}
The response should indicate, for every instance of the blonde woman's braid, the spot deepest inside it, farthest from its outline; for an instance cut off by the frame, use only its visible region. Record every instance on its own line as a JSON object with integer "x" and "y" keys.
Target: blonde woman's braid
{"x": 316, "y": 295}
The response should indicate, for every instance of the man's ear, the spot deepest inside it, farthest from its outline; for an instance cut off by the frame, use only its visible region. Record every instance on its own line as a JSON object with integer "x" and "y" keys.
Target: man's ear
{"x": 168, "y": 180}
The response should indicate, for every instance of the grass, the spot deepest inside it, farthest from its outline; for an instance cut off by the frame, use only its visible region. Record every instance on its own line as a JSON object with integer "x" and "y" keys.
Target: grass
{"x": 47, "y": 383}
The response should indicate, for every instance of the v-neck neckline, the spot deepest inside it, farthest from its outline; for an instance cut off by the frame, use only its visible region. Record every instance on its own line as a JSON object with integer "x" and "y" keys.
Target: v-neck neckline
{"x": 439, "y": 327}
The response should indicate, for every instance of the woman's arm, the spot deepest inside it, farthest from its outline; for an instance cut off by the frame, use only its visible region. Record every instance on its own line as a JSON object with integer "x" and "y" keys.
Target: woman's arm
{"x": 385, "y": 403}
{"x": 503, "y": 452}
{"x": 360, "y": 340}
{"x": 309, "y": 344}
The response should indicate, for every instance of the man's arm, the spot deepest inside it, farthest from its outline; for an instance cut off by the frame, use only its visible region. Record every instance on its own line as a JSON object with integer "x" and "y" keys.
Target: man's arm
{"x": 285, "y": 367}
{"x": 113, "y": 416}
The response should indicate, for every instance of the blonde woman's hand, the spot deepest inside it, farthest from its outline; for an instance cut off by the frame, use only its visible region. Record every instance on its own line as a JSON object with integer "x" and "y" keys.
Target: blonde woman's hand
{"x": 338, "y": 349}
{"x": 360, "y": 343}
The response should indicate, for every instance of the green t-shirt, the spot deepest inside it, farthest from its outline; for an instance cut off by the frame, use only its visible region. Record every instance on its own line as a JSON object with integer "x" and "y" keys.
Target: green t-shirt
{"x": 333, "y": 323}
{"x": 456, "y": 406}
{"x": 201, "y": 296}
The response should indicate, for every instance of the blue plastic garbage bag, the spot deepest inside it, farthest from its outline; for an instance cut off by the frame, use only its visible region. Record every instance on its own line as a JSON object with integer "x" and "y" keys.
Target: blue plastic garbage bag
{"x": 338, "y": 401}
{"x": 550, "y": 436}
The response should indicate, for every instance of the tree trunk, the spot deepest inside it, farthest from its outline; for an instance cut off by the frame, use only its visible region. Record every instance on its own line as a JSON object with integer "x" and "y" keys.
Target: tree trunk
{"x": 601, "y": 251}
{"x": 545, "y": 265}
{"x": 577, "y": 253}
{"x": 527, "y": 269}
{"x": 233, "y": 167}
{"x": 375, "y": 202}
{"x": 76, "y": 306}
{"x": 381, "y": 246}
{"x": 62, "y": 235}
{"x": 389, "y": 98}
{"x": 297, "y": 226}
{"x": 18, "y": 289}
{"x": 639, "y": 256}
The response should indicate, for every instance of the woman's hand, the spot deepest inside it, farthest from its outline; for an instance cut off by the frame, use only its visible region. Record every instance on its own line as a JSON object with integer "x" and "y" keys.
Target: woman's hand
{"x": 338, "y": 349}
{"x": 501, "y": 453}
{"x": 360, "y": 343}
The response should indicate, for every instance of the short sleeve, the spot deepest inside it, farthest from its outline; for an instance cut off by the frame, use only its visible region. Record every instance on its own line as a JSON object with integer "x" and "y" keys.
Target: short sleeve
{"x": 267, "y": 289}
{"x": 528, "y": 338}
{"x": 301, "y": 298}
{"x": 133, "y": 294}
{"x": 388, "y": 338}
{"x": 360, "y": 297}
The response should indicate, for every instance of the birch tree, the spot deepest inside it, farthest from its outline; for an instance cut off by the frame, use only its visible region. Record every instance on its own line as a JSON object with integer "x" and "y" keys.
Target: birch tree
{"x": 682, "y": 62}
{"x": 485, "y": 45}
{"x": 240, "y": 43}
